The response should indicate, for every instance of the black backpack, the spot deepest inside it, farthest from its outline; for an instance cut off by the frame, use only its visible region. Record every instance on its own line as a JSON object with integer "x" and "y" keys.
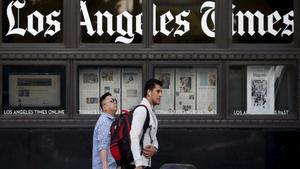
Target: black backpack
{"x": 120, "y": 137}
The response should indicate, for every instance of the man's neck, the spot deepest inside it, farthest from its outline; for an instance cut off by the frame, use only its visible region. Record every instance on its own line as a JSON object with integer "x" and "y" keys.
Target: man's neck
{"x": 110, "y": 113}
{"x": 149, "y": 101}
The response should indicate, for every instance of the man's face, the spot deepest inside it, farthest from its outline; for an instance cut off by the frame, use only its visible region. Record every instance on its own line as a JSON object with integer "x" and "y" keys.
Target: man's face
{"x": 155, "y": 95}
{"x": 110, "y": 104}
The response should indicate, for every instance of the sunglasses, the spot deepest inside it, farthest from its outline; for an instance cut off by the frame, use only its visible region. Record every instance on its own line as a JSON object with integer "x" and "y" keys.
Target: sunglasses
{"x": 114, "y": 100}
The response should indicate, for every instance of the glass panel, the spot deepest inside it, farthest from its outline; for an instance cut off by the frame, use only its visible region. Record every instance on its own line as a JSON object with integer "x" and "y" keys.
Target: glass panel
{"x": 263, "y": 21}
{"x": 125, "y": 84}
{"x": 32, "y": 21}
{"x": 111, "y": 21}
{"x": 131, "y": 87}
{"x": 89, "y": 91}
{"x": 34, "y": 90}
{"x": 188, "y": 90}
{"x": 262, "y": 90}
{"x": 177, "y": 21}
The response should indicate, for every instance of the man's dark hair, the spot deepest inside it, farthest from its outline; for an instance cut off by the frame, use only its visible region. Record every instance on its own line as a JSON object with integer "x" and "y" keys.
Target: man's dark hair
{"x": 150, "y": 84}
{"x": 103, "y": 98}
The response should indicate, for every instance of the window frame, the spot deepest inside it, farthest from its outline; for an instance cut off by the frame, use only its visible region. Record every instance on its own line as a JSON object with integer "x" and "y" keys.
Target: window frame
{"x": 273, "y": 117}
{"x": 63, "y": 64}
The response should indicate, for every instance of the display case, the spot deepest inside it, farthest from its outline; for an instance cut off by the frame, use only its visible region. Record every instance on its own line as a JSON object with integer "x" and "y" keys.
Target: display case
{"x": 124, "y": 82}
{"x": 189, "y": 89}
{"x": 262, "y": 90}
{"x": 34, "y": 90}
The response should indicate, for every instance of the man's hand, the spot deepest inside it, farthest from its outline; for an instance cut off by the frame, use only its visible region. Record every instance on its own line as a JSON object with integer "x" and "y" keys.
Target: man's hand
{"x": 139, "y": 167}
{"x": 149, "y": 151}
{"x": 105, "y": 167}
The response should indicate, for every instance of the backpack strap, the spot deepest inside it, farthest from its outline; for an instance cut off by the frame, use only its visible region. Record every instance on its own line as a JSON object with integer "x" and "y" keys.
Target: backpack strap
{"x": 145, "y": 126}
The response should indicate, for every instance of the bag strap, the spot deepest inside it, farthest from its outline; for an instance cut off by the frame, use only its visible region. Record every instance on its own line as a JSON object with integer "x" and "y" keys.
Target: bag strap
{"x": 145, "y": 126}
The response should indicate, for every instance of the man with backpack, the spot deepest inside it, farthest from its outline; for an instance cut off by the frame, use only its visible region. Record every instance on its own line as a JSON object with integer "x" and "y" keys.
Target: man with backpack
{"x": 142, "y": 153}
{"x": 102, "y": 158}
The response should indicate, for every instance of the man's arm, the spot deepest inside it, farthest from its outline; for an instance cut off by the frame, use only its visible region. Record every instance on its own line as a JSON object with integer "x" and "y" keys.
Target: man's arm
{"x": 138, "y": 120}
{"x": 103, "y": 156}
{"x": 103, "y": 142}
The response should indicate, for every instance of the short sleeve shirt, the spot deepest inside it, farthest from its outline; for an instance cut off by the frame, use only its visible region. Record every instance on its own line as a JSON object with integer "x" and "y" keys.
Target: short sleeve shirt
{"x": 101, "y": 141}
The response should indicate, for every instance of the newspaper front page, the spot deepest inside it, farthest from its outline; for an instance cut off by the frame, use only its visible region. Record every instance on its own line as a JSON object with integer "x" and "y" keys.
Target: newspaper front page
{"x": 167, "y": 76}
{"x": 206, "y": 91}
{"x": 89, "y": 91}
{"x": 185, "y": 91}
{"x": 260, "y": 89}
{"x": 110, "y": 82}
{"x": 131, "y": 87}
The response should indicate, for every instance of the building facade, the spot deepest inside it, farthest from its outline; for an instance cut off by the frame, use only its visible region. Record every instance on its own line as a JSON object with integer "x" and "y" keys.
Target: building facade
{"x": 230, "y": 70}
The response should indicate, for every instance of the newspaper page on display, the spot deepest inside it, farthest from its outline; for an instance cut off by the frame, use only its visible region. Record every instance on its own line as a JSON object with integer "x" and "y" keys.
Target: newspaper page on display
{"x": 207, "y": 91}
{"x": 260, "y": 89}
{"x": 131, "y": 87}
{"x": 34, "y": 90}
{"x": 185, "y": 91}
{"x": 89, "y": 91}
{"x": 110, "y": 82}
{"x": 167, "y": 76}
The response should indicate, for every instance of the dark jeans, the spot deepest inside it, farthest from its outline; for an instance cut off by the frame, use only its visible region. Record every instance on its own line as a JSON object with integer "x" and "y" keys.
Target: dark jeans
{"x": 133, "y": 167}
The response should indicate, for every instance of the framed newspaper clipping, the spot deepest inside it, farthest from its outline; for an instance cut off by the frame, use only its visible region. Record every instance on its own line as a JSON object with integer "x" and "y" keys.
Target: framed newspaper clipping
{"x": 89, "y": 91}
{"x": 131, "y": 87}
{"x": 111, "y": 82}
{"x": 188, "y": 89}
{"x": 167, "y": 77}
{"x": 185, "y": 90}
{"x": 262, "y": 90}
{"x": 207, "y": 91}
{"x": 125, "y": 84}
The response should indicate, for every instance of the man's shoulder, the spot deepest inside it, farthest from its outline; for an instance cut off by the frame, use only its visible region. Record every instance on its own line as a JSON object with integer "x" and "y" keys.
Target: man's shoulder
{"x": 102, "y": 120}
{"x": 141, "y": 108}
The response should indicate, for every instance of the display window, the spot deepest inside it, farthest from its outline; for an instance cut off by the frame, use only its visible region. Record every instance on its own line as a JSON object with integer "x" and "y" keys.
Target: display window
{"x": 124, "y": 83}
{"x": 109, "y": 21}
{"x": 34, "y": 90}
{"x": 188, "y": 90}
{"x": 191, "y": 21}
{"x": 257, "y": 90}
{"x": 268, "y": 22}
{"x": 32, "y": 21}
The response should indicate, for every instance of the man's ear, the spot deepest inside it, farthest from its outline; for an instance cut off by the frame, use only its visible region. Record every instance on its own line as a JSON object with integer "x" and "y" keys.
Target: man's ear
{"x": 149, "y": 92}
{"x": 103, "y": 108}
